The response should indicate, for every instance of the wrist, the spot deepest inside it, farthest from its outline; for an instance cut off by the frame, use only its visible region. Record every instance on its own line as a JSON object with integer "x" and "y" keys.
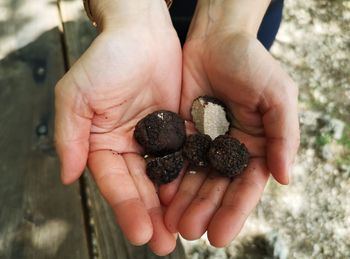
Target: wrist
{"x": 233, "y": 16}
{"x": 109, "y": 14}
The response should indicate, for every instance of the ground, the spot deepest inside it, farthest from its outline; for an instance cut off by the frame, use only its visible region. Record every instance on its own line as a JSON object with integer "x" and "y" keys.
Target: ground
{"x": 310, "y": 218}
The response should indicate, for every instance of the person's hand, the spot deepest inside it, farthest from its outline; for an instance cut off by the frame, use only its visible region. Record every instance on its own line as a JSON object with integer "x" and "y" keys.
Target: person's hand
{"x": 235, "y": 68}
{"x": 131, "y": 69}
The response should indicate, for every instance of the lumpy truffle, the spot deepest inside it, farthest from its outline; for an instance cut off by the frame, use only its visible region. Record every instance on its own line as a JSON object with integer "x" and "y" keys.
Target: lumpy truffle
{"x": 162, "y": 170}
{"x": 228, "y": 156}
{"x": 196, "y": 148}
{"x": 160, "y": 133}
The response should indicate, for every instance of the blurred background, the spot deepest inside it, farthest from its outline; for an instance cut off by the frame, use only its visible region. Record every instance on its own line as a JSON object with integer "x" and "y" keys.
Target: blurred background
{"x": 41, "y": 218}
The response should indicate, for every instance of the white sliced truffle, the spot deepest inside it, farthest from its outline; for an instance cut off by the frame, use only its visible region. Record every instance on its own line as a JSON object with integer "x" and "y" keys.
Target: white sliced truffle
{"x": 210, "y": 116}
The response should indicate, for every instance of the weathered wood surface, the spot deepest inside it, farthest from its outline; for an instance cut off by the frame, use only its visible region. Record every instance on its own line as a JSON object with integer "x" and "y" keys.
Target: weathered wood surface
{"x": 39, "y": 217}
{"x": 108, "y": 240}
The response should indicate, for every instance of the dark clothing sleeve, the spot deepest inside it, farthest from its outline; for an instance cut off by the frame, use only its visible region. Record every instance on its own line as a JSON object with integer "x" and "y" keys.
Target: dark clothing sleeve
{"x": 182, "y": 11}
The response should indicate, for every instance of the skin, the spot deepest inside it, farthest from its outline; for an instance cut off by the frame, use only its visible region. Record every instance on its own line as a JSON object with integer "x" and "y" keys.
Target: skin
{"x": 133, "y": 68}
{"x": 129, "y": 71}
{"x": 231, "y": 64}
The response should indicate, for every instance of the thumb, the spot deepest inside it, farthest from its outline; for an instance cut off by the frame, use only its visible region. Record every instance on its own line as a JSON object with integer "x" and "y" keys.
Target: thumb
{"x": 281, "y": 125}
{"x": 72, "y": 129}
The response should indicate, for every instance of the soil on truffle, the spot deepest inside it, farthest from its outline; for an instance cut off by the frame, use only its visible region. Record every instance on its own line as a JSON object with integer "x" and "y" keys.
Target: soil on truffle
{"x": 196, "y": 148}
{"x": 160, "y": 133}
{"x": 162, "y": 170}
{"x": 228, "y": 156}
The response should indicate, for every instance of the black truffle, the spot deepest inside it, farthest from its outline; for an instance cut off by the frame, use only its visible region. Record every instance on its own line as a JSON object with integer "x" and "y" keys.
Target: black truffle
{"x": 162, "y": 170}
{"x": 160, "y": 133}
{"x": 196, "y": 148}
{"x": 228, "y": 156}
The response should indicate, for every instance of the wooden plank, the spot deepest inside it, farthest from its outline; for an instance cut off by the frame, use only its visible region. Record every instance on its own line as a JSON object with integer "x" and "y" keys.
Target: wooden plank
{"x": 108, "y": 240}
{"x": 39, "y": 217}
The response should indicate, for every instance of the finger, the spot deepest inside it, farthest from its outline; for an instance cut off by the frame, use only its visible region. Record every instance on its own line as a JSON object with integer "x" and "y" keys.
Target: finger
{"x": 280, "y": 119}
{"x": 168, "y": 191}
{"x": 239, "y": 200}
{"x": 162, "y": 241}
{"x": 198, "y": 214}
{"x": 72, "y": 128}
{"x": 117, "y": 186}
{"x": 189, "y": 186}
